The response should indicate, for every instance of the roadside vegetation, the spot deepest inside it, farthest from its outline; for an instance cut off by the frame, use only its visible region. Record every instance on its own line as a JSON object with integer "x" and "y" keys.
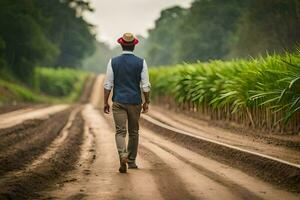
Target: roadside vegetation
{"x": 48, "y": 86}
{"x": 64, "y": 82}
{"x": 261, "y": 93}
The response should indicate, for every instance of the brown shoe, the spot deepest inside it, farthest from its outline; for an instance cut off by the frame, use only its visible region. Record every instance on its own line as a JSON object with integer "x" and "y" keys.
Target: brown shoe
{"x": 123, "y": 169}
{"x": 132, "y": 166}
{"x": 123, "y": 165}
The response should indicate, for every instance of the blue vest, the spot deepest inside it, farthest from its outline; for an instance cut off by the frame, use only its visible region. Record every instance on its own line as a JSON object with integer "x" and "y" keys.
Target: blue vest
{"x": 127, "y": 69}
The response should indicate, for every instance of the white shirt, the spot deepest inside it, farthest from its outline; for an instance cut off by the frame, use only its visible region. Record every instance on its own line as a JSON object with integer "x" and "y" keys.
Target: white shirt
{"x": 109, "y": 80}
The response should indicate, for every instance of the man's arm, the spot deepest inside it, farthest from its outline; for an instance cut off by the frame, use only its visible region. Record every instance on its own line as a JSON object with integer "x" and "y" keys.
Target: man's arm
{"x": 145, "y": 87}
{"x": 108, "y": 85}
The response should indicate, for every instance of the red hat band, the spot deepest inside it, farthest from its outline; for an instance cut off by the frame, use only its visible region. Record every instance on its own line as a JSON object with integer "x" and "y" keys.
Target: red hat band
{"x": 128, "y": 39}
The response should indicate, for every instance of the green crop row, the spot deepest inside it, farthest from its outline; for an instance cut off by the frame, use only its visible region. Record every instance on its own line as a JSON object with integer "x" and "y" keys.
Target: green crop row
{"x": 61, "y": 82}
{"x": 262, "y": 92}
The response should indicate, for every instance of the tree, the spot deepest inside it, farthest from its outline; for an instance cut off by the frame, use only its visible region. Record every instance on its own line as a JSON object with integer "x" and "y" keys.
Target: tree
{"x": 208, "y": 29}
{"x": 67, "y": 28}
{"x": 224, "y": 29}
{"x": 202, "y": 32}
{"x": 25, "y": 43}
{"x": 268, "y": 26}
{"x": 163, "y": 39}
{"x": 98, "y": 61}
{"x": 35, "y": 32}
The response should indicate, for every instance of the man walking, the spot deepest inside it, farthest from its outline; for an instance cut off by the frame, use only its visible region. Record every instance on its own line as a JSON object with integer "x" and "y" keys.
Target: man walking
{"x": 127, "y": 74}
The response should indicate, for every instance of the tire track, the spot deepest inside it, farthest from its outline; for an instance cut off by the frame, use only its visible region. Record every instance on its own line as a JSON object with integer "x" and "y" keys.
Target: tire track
{"x": 88, "y": 150}
{"x": 169, "y": 184}
{"x": 96, "y": 98}
{"x": 239, "y": 191}
{"x": 197, "y": 185}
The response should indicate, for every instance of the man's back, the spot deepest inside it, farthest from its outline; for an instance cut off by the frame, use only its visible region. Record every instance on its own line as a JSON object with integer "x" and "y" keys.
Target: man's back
{"x": 127, "y": 70}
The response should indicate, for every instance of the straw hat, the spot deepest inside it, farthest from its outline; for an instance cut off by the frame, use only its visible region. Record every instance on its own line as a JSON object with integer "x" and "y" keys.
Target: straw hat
{"x": 128, "y": 39}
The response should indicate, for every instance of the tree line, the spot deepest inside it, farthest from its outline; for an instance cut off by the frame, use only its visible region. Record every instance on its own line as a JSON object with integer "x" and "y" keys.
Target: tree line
{"x": 223, "y": 29}
{"x": 47, "y": 33}
{"x": 55, "y": 34}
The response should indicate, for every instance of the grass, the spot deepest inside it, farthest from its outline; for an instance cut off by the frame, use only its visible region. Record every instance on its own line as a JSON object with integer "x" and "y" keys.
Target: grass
{"x": 18, "y": 93}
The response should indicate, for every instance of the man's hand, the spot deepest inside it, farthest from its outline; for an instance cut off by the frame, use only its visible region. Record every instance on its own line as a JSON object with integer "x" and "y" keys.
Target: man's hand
{"x": 145, "y": 107}
{"x": 106, "y": 108}
{"x": 106, "y": 105}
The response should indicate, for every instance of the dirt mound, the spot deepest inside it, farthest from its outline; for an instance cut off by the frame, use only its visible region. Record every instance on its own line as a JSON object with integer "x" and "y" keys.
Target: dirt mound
{"x": 25, "y": 185}
{"x": 20, "y": 147}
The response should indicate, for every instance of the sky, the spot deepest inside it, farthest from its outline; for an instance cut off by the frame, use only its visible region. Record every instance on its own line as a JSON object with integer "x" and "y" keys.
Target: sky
{"x": 114, "y": 17}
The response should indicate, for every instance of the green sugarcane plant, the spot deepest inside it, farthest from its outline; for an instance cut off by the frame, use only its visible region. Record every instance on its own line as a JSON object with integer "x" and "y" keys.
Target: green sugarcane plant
{"x": 261, "y": 92}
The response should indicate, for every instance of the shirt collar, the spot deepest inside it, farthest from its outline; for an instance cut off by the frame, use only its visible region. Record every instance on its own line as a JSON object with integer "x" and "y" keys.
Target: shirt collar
{"x": 127, "y": 52}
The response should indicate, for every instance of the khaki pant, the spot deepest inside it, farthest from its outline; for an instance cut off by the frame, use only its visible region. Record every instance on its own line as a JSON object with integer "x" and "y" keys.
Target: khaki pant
{"x": 127, "y": 115}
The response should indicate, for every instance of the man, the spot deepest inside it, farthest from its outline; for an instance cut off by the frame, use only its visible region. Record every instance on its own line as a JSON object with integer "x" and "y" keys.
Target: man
{"x": 127, "y": 74}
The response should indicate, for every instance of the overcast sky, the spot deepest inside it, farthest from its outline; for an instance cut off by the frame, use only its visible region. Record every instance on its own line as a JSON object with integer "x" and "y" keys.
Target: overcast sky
{"x": 114, "y": 17}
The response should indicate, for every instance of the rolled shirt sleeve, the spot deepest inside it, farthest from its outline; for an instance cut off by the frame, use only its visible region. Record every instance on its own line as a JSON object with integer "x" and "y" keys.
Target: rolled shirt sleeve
{"x": 145, "y": 84}
{"x": 109, "y": 79}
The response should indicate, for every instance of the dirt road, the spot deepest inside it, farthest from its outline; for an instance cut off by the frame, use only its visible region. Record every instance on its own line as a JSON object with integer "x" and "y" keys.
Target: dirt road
{"x": 167, "y": 171}
{"x": 79, "y": 161}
